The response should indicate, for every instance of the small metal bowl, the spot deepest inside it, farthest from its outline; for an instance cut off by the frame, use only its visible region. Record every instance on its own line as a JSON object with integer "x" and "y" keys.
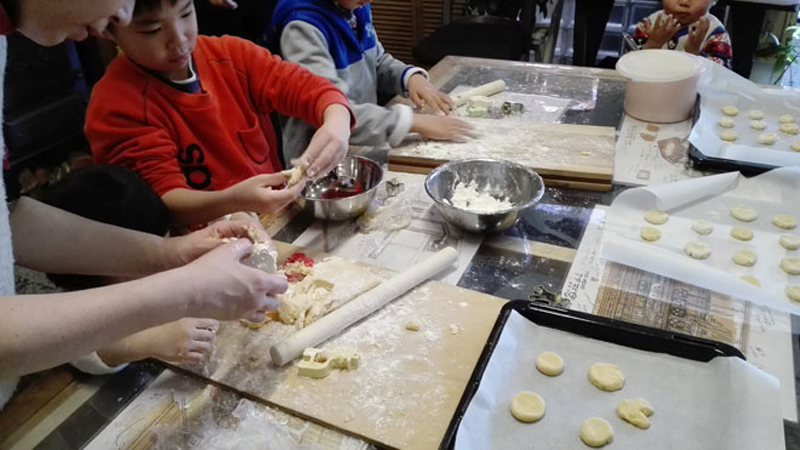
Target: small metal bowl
{"x": 502, "y": 179}
{"x": 364, "y": 171}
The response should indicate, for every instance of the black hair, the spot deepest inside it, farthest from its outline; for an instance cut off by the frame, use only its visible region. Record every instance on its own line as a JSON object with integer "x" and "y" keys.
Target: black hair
{"x": 146, "y": 6}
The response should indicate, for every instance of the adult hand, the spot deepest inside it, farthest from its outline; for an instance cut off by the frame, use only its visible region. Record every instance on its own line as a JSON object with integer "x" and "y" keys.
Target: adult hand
{"x": 227, "y": 4}
{"x": 422, "y": 93}
{"x": 442, "y": 128}
{"x": 660, "y": 32}
{"x": 329, "y": 144}
{"x": 696, "y": 36}
{"x": 181, "y": 250}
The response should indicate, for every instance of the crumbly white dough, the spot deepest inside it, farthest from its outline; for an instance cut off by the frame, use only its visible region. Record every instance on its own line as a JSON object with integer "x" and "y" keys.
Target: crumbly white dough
{"x": 796, "y": 146}
{"x": 697, "y": 250}
{"x": 793, "y": 292}
{"x": 726, "y": 122}
{"x": 296, "y": 173}
{"x": 596, "y": 432}
{"x": 730, "y": 110}
{"x": 751, "y": 279}
{"x": 467, "y": 196}
{"x": 550, "y": 364}
{"x": 650, "y": 234}
{"x": 635, "y": 412}
{"x": 766, "y": 138}
{"x": 785, "y": 221}
{"x": 656, "y": 217}
{"x": 744, "y": 213}
{"x": 786, "y": 119}
{"x": 702, "y": 227}
{"x": 745, "y": 258}
{"x": 742, "y": 233}
{"x": 789, "y": 128}
{"x": 606, "y": 377}
{"x": 527, "y": 407}
{"x": 755, "y": 114}
{"x": 758, "y": 125}
{"x": 791, "y": 265}
{"x": 729, "y": 136}
{"x": 789, "y": 241}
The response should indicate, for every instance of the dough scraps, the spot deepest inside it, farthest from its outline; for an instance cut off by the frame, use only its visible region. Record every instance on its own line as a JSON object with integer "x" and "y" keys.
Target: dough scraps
{"x": 730, "y": 111}
{"x": 550, "y": 364}
{"x": 635, "y": 412}
{"x": 726, "y": 122}
{"x": 412, "y": 325}
{"x": 786, "y": 119}
{"x": 596, "y": 432}
{"x": 789, "y": 128}
{"x": 527, "y": 407}
{"x": 785, "y": 221}
{"x": 751, "y": 279}
{"x": 729, "y": 136}
{"x": 791, "y": 265}
{"x": 789, "y": 241}
{"x": 317, "y": 363}
{"x": 606, "y": 377}
{"x": 296, "y": 173}
{"x": 755, "y": 114}
{"x": 745, "y": 258}
{"x": 766, "y": 138}
{"x": 697, "y": 249}
{"x": 656, "y": 217}
{"x": 744, "y": 213}
{"x": 703, "y": 227}
{"x": 650, "y": 234}
{"x": 793, "y": 292}
{"x": 742, "y": 233}
{"x": 796, "y": 146}
{"x": 758, "y": 125}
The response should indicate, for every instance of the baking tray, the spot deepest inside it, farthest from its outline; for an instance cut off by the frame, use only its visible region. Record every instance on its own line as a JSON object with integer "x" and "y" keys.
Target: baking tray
{"x": 590, "y": 326}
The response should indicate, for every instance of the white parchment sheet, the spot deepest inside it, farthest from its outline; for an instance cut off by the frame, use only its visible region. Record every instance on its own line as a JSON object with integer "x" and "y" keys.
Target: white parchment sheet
{"x": 711, "y": 198}
{"x": 725, "y": 403}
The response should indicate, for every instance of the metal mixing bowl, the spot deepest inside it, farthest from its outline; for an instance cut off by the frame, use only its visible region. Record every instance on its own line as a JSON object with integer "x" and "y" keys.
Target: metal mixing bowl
{"x": 353, "y": 168}
{"x": 502, "y": 179}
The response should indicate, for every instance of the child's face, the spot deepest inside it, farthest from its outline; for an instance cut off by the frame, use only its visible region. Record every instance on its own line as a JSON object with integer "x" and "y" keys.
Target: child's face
{"x": 161, "y": 40}
{"x": 352, "y": 4}
{"x": 49, "y": 22}
{"x": 687, "y": 11}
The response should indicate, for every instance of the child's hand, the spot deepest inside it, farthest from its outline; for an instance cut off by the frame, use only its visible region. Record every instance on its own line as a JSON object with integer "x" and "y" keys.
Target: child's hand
{"x": 696, "y": 35}
{"x": 423, "y": 93}
{"x": 441, "y": 128}
{"x": 661, "y": 32}
{"x": 263, "y": 193}
{"x": 329, "y": 144}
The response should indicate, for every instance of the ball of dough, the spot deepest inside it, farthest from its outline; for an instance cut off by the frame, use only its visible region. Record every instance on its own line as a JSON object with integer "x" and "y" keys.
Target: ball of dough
{"x": 729, "y": 136}
{"x": 785, "y": 221}
{"x": 702, "y": 227}
{"x": 635, "y": 412}
{"x": 697, "y": 250}
{"x": 789, "y": 241}
{"x": 755, "y": 114}
{"x": 730, "y": 111}
{"x": 527, "y": 407}
{"x": 758, "y": 125}
{"x": 796, "y": 146}
{"x": 726, "y": 122}
{"x": 606, "y": 377}
{"x": 793, "y": 292}
{"x": 745, "y": 258}
{"x": 744, "y": 213}
{"x": 786, "y": 119}
{"x": 596, "y": 432}
{"x": 656, "y": 217}
{"x": 550, "y": 364}
{"x": 650, "y": 234}
{"x": 789, "y": 128}
{"x": 791, "y": 265}
{"x": 766, "y": 138}
{"x": 742, "y": 233}
{"x": 751, "y": 279}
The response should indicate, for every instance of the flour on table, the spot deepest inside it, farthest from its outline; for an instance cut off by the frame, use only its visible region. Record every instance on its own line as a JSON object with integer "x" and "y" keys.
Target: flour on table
{"x": 467, "y": 196}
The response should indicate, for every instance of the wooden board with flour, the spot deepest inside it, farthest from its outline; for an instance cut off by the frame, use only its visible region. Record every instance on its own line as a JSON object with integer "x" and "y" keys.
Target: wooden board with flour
{"x": 408, "y": 384}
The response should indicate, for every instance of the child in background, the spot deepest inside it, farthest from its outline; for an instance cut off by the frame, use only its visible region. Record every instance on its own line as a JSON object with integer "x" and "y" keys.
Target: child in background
{"x": 189, "y": 114}
{"x": 335, "y": 39}
{"x": 686, "y": 25}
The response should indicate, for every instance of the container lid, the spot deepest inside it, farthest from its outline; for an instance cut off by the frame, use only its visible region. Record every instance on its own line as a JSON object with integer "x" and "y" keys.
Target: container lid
{"x": 660, "y": 66}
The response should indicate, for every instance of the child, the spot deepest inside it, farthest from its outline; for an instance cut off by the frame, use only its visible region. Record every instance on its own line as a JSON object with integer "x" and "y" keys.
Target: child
{"x": 336, "y": 40}
{"x": 686, "y": 25}
{"x": 190, "y": 115}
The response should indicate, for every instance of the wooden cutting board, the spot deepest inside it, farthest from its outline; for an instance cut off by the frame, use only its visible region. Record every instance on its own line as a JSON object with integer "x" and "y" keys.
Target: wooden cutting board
{"x": 409, "y": 383}
{"x": 580, "y": 156}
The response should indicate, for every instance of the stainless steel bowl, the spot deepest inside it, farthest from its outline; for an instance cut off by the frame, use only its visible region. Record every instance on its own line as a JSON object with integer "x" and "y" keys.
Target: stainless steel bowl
{"x": 502, "y": 179}
{"x": 362, "y": 170}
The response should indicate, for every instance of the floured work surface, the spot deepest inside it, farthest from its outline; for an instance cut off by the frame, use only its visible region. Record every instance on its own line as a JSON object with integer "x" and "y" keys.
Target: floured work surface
{"x": 558, "y": 152}
{"x": 408, "y": 384}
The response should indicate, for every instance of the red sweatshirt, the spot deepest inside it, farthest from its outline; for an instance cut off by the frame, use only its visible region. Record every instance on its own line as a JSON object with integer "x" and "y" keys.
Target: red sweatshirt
{"x": 211, "y": 139}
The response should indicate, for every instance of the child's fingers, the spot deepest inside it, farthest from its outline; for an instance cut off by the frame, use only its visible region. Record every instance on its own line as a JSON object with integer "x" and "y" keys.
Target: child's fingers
{"x": 269, "y": 179}
{"x": 416, "y": 99}
{"x": 328, "y": 158}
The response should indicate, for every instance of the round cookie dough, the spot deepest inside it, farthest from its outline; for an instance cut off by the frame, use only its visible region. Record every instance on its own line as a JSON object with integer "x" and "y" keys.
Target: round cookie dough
{"x": 786, "y": 118}
{"x": 745, "y": 258}
{"x": 742, "y": 233}
{"x": 527, "y": 407}
{"x": 755, "y": 114}
{"x": 550, "y": 364}
{"x": 635, "y": 412}
{"x": 758, "y": 125}
{"x": 656, "y": 217}
{"x": 751, "y": 279}
{"x": 785, "y": 221}
{"x": 606, "y": 377}
{"x": 729, "y": 136}
{"x": 744, "y": 213}
{"x": 726, "y": 122}
{"x": 766, "y": 138}
{"x": 791, "y": 265}
{"x": 702, "y": 227}
{"x": 596, "y": 432}
{"x": 796, "y": 146}
{"x": 789, "y": 128}
{"x": 697, "y": 250}
{"x": 793, "y": 292}
{"x": 730, "y": 111}
{"x": 650, "y": 234}
{"x": 789, "y": 241}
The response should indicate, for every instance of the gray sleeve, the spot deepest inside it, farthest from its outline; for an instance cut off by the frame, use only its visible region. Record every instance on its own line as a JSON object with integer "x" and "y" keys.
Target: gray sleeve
{"x": 390, "y": 72}
{"x": 304, "y": 44}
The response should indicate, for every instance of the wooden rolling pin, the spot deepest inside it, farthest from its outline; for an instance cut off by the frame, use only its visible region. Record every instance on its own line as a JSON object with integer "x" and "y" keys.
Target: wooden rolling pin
{"x": 486, "y": 90}
{"x": 360, "y": 307}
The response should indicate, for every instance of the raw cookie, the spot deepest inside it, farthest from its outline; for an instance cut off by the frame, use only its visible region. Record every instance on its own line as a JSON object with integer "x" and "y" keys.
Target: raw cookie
{"x": 635, "y": 412}
{"x": 766, "y": 138}
{"x": 726, "y": 122}
{"x": 656, "y": 217}
{"x": 785, "y": 221}
{"x": 596, "y": 432}
{"x": 650, "y": 234}
{"x": 742, "y": 233}
{"x": 606, "y": 377}
{"x": 791, "y": 265}
{"x": 550, "y": 364}
{"x": 412, "y": 325}
{"x": 789, "y": 241}
{"x": 755, "y": 114}
{"x": 789, "y": 128}
{"x": 786, "y": 119}
{"x": 758, "y": 125}
{"x": 751, "y": 279}
{"x": 744, "y": 213}
{"x": 796, "y": 146}
{"x": 296, "y": 173}
{"x": 729, "y": 136}
{"x": 527, "y": 407}
{"x": 745, "y": 258}
{"x": 702, "y": 227}
{"x": 697, "y": 250}
{"x": 730, "y": 111}
{"x": 793, "y": 292}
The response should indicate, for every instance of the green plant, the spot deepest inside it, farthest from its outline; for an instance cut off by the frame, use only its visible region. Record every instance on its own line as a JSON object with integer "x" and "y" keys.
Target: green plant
{"x": 785, "y": 54}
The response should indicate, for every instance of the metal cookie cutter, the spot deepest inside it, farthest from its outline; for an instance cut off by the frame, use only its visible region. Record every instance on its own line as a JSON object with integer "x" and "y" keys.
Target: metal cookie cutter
{"x": 513, "y": 108}
{"x": 318, "y": 363}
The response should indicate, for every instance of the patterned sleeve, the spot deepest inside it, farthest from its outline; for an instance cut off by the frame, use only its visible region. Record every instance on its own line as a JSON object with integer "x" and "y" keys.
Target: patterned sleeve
{"x": 718, "y": 47}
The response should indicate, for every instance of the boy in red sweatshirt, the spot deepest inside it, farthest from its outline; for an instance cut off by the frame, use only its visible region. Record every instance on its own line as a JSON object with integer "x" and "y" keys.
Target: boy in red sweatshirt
{"x": 190, "y": 115}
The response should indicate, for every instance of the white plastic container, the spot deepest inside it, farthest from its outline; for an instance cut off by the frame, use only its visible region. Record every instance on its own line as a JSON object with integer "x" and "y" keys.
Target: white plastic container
{"x": 662, "y": 84}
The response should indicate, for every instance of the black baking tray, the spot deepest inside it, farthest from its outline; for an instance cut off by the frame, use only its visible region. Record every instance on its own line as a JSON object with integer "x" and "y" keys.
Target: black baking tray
{"x": 590, "y": 326}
